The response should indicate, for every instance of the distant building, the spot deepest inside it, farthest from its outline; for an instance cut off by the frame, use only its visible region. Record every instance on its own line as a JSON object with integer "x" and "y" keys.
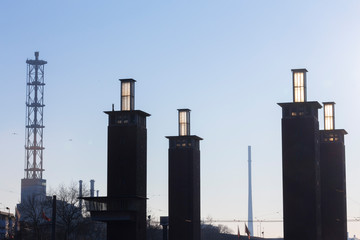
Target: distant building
{"x": 7, "y": 225}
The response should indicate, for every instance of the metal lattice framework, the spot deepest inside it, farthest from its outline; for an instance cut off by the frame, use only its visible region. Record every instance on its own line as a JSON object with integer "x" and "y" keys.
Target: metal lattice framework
{"x": 34, "y": 118}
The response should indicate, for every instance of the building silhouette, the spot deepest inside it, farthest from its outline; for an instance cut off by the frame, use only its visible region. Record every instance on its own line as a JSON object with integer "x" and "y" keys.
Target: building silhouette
{"x": 184, "y": 182}
{"x": 333, "y": 178}
{"x": 300, "y": 164}
{"x": 124, "y": 209}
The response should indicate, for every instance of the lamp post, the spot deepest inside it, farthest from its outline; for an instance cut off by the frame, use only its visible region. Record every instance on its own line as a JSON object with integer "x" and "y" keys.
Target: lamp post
{"x": 9, "y": 223}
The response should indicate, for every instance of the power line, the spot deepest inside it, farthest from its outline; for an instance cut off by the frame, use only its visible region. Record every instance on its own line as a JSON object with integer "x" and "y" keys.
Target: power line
{"x": 356, "y": 219}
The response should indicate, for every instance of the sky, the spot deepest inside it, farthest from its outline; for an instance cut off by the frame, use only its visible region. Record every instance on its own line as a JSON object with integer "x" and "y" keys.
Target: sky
{"x": 228, "y": 61}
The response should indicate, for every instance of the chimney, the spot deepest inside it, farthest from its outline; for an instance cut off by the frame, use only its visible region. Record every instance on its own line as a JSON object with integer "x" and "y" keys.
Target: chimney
{"x": 80, "y": 194}
{"x": 92, "y": 187}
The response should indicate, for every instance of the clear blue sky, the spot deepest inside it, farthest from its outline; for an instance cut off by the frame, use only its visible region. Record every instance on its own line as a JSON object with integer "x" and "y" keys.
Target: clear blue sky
{"x": 228, "y": 61}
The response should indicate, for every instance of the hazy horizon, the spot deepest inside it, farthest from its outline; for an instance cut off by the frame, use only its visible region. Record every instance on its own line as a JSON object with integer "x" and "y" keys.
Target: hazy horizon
{"x": 229, "y": 62}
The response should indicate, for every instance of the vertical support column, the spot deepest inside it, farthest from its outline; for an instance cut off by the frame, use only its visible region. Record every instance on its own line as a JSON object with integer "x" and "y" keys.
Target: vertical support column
{"x": 300, "y": 164}
{"x": 127, "y": 164}
{"x": 184, "y": 182}
{"x": 124, "y": 208}
{"x": 333, "y": 178}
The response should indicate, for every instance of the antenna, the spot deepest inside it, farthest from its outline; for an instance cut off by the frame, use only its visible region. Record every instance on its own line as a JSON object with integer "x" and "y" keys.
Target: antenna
{"x": 34, "y": 118}
{"x": 33, "y": 182}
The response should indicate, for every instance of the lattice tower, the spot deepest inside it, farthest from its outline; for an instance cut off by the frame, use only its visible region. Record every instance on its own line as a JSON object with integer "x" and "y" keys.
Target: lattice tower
{"x": 34, "y": 118}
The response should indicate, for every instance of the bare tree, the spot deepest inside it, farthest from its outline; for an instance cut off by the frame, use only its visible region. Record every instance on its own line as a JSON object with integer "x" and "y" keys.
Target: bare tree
{"x": 153, "y": 229}
{"x": 32, "y": 212}
{"x": 224, "y": 229}
{"x": 69, "y": 214}
{"x": 72, "y": 219}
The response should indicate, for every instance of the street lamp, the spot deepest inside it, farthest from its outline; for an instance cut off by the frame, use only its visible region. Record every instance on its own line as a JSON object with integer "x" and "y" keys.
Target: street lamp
{"x": 9, "y": 227}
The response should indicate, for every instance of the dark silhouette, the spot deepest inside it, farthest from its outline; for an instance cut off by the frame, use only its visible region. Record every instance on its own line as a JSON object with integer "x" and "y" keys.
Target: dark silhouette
{"x": 333, "y": 179}
{"x": 184, "y": 182}
{"x": 124, "y": 209}
{"x": 300, "y": 164}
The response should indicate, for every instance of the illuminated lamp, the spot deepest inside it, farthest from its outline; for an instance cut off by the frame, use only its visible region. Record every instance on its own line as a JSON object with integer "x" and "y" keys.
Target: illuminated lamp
{"x": 127, "y": 94}
{"x": 184, "y": 122}
{"x": 299, "y": 85}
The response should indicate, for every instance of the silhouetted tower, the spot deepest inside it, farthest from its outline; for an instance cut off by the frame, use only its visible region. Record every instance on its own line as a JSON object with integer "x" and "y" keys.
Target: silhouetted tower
{"x": 124, "y": 209}
{"x": 250, "y": 210}
{"x": 184, "y": 182}
{"x": 300, "y": 164}
{"x": 33, "y": 182}
{"x": 333, "y": 178}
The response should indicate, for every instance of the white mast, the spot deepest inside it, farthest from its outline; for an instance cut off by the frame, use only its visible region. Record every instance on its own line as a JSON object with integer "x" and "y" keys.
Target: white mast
{"x": 250, "y": 213}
